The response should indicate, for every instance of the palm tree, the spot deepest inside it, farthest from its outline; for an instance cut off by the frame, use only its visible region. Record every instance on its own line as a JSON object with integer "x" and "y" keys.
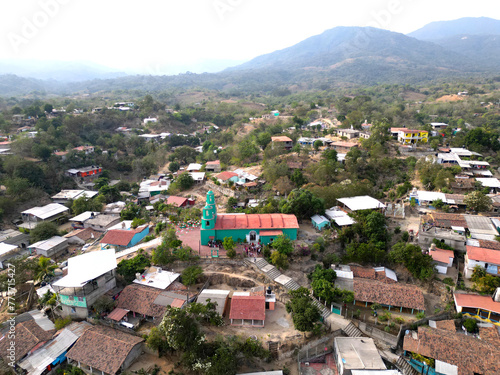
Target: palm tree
{"x": 44, "y": 268}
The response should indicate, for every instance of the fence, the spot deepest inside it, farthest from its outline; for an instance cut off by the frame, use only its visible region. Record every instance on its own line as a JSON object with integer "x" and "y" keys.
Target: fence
{"x": 315, "y": 350}
{"x": 378, "y": 334}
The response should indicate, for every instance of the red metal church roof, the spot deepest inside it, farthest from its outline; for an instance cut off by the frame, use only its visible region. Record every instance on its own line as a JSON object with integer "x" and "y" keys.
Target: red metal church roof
{"x": 256, "y": 221}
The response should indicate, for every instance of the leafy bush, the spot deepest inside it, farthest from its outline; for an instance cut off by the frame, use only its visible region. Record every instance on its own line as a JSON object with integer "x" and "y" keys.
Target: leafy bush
{"x": 448, "y": 281}
{"x": 470, "y": 325}
{"x": 399, "y": 320}
{"x": 420, "y": 315}
{"x": 62, "y": 322}
{"x": 397, "y": 230}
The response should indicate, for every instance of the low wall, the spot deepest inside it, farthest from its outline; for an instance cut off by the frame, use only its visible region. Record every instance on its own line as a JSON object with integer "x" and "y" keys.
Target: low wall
{"x": 223, "y": 190}
{"x": 378, "y": 334}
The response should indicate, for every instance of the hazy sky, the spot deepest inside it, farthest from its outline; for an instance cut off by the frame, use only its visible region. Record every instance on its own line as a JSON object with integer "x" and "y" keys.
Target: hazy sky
{"x": 149, "y": 35}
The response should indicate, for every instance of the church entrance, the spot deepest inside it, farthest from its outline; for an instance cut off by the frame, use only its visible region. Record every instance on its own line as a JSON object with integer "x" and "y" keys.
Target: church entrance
{"x": 253, "y": 237}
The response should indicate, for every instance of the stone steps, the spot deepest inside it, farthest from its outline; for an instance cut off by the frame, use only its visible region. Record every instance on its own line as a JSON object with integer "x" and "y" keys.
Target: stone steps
{"x": 407, "y": 369}
{"x": 323, "y": 310}
{"x": 352, "y": 331}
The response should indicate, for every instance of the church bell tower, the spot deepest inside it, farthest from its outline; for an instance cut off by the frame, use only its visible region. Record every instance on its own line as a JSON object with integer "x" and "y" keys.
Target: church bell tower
{"x": 209, "y": 212}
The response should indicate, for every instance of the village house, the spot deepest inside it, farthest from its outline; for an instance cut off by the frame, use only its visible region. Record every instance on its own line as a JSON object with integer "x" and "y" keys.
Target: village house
{"x": 198, "y": 177}
{"x": 363, "y": 202}
{"x": 443, "y": 259}
{"x": 484, "y": 308}
{"x": 487, "y": 259}
{"x": 101, "y": 223}
{"x": 86, "y": 172}
{"x": 50, "y": 212}
{"x": 105, "y": 350}
{"x": 66, "y": 196}
{"x": 226, "y": 176}
{"x": 81, "y": 236}
{"x": 339, "y": 217}
{"x": 78, "y": 221}
{"x": 216, "y": 296}
{"x": 50, "y": 354}
{"x": 348, "y": 133}
{"x": 52, "y": 248}
{"x": 179, "y": 201}
{"x": 121, "y": 239}
{"x": 454, "y": 352}
{"x": 343, "y": 147}
{"x": 357, "y": 353}
{"x": 32, "y": 330}
{"x": 90, "y": 276}
{"x": 283, "y": 141}
{"x": 213, "y": 166}
{"x": 15, "y": 237}
{"x": 247, "y": 310}
{"x": 410, "y": 136}
{"x": 87, "y": 150}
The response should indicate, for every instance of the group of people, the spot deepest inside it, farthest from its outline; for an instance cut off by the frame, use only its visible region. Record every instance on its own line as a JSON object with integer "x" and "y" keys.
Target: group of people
{"x": 252, "y": 249}
{"x": 213, "y": 243}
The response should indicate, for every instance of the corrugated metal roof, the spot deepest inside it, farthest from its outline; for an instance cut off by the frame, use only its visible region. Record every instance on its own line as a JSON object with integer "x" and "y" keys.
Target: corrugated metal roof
{"x": 42, "y": 320}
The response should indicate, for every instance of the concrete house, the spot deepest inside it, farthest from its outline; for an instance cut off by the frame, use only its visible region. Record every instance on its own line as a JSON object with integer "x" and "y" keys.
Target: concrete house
{"x": 487, "y": 259}
{"x": 65, "y": 196}
{"x": 217, "y": 296}
{"x": 357, "y": 353}
{"x": 283, "y": 141}
{"x": 213, "y": 166}
{"x": 50, "y": 212}
{"x": 484, "y": 308}
{"x": 443, "y": 259}
{"x": 52, "y": 248}
{"x": 89, "y": 277}
{"x": 121, "y": 239}
{"x": 102, "y": 223}
{"x": 78, "y": 222}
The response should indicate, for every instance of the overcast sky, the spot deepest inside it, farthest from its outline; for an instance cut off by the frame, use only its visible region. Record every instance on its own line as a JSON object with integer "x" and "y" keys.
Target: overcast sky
{"x": 152, "y": 36}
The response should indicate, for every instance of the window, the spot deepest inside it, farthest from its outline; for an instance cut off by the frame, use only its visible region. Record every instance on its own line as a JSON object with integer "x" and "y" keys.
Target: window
{"x": 71, "y": 298}
{"x": 80, "y": 299}
{"x": 208, "y": 222}
{"x": 73, "y": 311}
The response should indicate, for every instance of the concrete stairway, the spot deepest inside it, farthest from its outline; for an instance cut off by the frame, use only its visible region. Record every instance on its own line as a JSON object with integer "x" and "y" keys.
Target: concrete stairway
{"x": 403, "y": 365}
{"x": 352, "y": 331}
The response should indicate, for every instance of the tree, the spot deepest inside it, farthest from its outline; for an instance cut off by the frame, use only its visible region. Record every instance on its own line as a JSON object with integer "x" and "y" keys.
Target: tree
{"x": 104, "y": 304}
{"x": 484, "y": 282}
{"x": 109, "y": 194}
{"x": 173, "y": 166}
{"x": 185, "y": 181}
{"x": 44, "y": 231}
{"x": 229, "y": 246}
{"x": 317, "y": 144}
{"x": 279, "y": 260}
{"x": 420, "y": 265}
{"x": 48, "y": 108}
{"x": 129, "y": 267}
{"x": 248, "y": 150}
{"x": 264, "y": 139}
{"x": 284, "y": 185}
{"x": 477, "y": 201}
{"x": 162, "y": 255}
{"x": 44, "y": 269}
{"x": 305, "y": 314}
{"x": 330, "y": 155}
{"x": 298, "y": 178}
{"x": 84, "y": 204}
{"x": 303, "y": 204}
{"x": 283, "y": 244}
{"x": 191, "y": 274}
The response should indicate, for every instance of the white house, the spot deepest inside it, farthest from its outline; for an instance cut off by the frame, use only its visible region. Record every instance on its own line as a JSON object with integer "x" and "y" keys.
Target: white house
{"x": 487, "y": 259}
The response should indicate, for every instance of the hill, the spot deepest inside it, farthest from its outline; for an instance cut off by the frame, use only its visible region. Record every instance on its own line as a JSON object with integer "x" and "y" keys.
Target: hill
{"x": 462, "y": 26}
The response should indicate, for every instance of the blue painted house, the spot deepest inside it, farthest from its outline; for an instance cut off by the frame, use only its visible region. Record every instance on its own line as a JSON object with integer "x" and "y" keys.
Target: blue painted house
{"x": 121, "y": 239}
{"x": 320, "y": 222}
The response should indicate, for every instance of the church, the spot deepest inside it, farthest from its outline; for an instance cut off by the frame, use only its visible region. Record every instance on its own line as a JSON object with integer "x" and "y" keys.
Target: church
{"x": 255, "y": 228}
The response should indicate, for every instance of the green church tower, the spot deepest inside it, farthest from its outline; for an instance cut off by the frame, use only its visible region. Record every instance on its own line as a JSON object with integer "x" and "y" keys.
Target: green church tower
{"x": 208, "y": 219}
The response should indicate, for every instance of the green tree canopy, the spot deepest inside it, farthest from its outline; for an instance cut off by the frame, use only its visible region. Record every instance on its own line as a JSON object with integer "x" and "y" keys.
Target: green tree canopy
{"x": 44, "y": 231}
{"x": 305, "y": 314}
{"x": 420, "y": 265}
{"x": 303, "y": 204}
{"x": 477, "y": 201}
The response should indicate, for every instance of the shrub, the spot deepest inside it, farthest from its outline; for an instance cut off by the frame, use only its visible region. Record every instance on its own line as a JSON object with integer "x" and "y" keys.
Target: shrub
{"x": 448, "y": 281}
{"x": 397, "y": 230}
{"x": 400, "y": 320}
{"x": 470, "y": 325}
{"x": 420, "y": 315}
{"x": 387, "y": 329}
{"x": 62, "y": 322}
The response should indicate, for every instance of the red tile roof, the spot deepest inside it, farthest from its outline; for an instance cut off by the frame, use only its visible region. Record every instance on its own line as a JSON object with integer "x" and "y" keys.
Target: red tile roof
{"x": 226, "y": 175}
{"x": 215, "y": 162}
{"x": 448, "y": 325}
{"x": 103, "y": 348}
{"x": 83, "y": 234}
{"x": 248, "y": 307}
{"x": 140, "y": 299}
{"x": 28, "y": 334}
{"x": 441, "y": 255}
{"x": 476, "y": 301}
{"x": 282, "y": 138}
{"x": 483, "y": 255}
{"x": 370, "y": 273}
{"x": 470, "y": 354}
{"x": 121, "y": 237}
{"x": 344, "y": 144}
{"x": 178, "y": 303}
{"x": 176, "y": 201}
{"x": 408, "y": 296}
{"x": 256, "y": 221}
